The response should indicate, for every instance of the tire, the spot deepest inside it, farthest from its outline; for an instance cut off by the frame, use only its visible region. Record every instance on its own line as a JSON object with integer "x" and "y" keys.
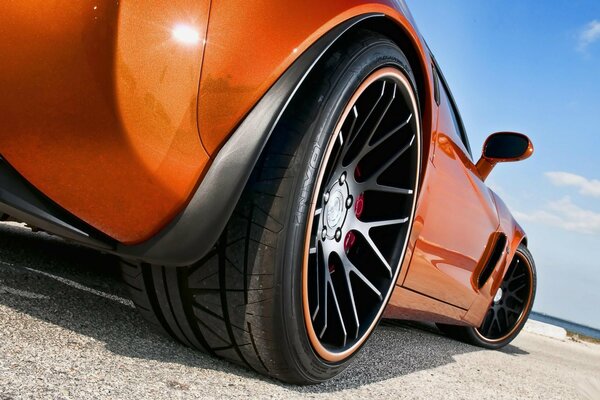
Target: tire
{"x": 244, "y": 301}
{"x": 501, "y": 336}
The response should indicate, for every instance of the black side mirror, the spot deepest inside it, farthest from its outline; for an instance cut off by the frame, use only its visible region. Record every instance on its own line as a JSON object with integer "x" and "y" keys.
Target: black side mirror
{"x": 503, "y": 147}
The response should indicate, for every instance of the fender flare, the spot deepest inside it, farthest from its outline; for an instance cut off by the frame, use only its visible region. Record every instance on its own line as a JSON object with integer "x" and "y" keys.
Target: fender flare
{"x": 193, "y": 233}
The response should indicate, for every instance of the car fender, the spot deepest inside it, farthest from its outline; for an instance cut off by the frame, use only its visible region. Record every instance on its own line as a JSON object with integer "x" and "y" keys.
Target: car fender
{"x": 196, "y": 229}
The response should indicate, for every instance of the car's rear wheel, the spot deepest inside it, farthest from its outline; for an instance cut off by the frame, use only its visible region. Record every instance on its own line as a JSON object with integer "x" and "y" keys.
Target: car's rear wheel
{"x": 308, "y": 261}
{"x": 509, "y": 309}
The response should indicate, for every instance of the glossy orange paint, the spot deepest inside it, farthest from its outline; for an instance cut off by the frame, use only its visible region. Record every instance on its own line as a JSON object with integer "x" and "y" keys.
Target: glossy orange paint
{"x": 99, "y": 103}
{"x": 114, "y": 109}
{"x": 457, "y": 222}
{"x": 459, "y": 214}
{"x": 112, "y": 112}
{"x": 409, "y": 305}
{"x": 273, "y": 34}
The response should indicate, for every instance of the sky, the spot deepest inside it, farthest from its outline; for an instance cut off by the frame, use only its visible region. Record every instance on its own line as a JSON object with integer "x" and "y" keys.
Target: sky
{"x": 534, "y": 67}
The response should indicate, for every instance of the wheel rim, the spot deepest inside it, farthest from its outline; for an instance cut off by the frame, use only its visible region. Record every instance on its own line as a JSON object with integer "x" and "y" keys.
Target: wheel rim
{"x": 511, "y": 302}
{"x": 361, "y": 215}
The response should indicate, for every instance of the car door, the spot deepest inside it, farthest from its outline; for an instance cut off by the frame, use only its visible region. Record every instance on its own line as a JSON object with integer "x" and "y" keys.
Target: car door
{"x": 458, "y": 215}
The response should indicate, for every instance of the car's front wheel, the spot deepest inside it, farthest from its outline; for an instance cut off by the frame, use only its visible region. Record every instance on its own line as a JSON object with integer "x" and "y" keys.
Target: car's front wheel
{"x": 509, "y": 309}
{"x": 308, "y": 261}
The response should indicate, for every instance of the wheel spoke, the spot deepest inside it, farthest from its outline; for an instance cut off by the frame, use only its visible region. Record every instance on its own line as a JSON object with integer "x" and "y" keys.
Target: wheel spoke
{"x": 365, "y": 231}
{"x": 392, "y": 160}
{"x": 506, "y": 323}
{"x": 512, "y": 310}
{"x": 378, "y": 253}
{"x": 344, "y": 142}
{"x": 324, "y": 324}
{"x": 351, "y": 268}
{"x": 339, "y": 312}
{"x": 521, "y": 286}
{"x": 385, "y": 222}
{"x": 318, "y": 265}
{"x": 497, "y": 322}
{"x": 388, "y": 135}
{"x": 367, "y": 282}
{"x": 366, "y": 147}
{"x": 514, "y": 267}
{"x": 347, "y": 263}
{"x": 352, "y": 139}
{"x": 514, "y": 296}
{"x": 517, "y": 279}
{"x": 373, "y": 186}
{"x": 351, "y": 134}
{"x": 325, "y": 316}
{"x": 487, "y": 322}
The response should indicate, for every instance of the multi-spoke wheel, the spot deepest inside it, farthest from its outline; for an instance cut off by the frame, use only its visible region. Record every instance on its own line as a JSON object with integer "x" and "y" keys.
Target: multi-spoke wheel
{"x": 307, "y": 263}
{"x": 361, "y": 214}
{"x": 509, "y": 309}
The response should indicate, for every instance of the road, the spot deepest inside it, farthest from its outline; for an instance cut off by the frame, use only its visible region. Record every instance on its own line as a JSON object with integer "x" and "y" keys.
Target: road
{"x": 67, "y": 330}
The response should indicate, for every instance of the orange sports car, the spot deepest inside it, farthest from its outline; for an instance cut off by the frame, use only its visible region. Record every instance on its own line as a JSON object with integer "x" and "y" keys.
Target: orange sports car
{"x": 276, "y": 176}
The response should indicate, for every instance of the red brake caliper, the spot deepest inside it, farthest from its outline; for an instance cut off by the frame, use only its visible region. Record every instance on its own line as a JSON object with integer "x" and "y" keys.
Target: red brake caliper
{"x": 359, "y": 205}
{"x": 349, "y": 241}
{"x": 358, "y": 210}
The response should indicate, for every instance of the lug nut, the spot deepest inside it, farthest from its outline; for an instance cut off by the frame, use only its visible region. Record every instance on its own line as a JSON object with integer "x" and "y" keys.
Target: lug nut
{"x": 338, "y": 234}
{"x": 343, "y": 178}
{"x": 349, "y": 201}
{"x": 326, "y": 197}
{"x": 324, "y": 233}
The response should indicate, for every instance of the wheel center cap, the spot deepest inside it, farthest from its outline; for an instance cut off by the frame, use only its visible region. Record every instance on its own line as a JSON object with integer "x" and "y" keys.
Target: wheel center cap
{"x": 335, "y": 209}
{"x": 498, "y": 295}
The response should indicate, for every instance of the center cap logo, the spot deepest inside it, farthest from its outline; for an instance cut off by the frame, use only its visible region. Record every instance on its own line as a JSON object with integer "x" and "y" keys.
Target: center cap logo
{"x": 335, "y": 209}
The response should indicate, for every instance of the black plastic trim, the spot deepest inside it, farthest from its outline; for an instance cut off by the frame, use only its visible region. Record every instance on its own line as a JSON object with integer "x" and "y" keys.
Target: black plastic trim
{"x": 455, "y": 110}
{"x": 194, "y": 232}
{"x": 492, "y": 261}
{"x": 25, "y": 203}
{"x": 436, "y": 85}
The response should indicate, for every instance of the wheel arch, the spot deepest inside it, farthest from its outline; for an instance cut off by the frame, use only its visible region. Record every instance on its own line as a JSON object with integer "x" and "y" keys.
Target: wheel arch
{"x": 193, "y": 232}
{"x": 420, "y": 64}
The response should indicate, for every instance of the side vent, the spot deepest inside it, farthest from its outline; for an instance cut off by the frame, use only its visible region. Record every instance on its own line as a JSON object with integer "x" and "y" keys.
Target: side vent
{"x": 492, "y": 260}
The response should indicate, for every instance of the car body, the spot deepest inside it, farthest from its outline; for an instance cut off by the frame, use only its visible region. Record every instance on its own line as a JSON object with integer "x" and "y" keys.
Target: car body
{"x": 133, "y": 127}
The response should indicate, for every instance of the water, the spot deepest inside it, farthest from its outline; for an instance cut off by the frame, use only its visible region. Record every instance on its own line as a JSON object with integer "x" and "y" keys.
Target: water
{"x": 569, "y": 326}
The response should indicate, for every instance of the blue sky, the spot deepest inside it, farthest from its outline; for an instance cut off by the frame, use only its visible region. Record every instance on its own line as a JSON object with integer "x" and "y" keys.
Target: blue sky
{"x": 534, "y": 67}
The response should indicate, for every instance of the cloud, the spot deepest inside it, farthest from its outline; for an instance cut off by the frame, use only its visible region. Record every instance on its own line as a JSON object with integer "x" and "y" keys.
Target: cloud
{"x": 566, "y": 215}
{"x": 586, "y": 187}
{"x": 589, "y": 34}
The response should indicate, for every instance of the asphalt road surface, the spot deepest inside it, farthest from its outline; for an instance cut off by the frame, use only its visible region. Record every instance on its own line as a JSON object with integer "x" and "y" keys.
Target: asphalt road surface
{"x": 68, "y": 330}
